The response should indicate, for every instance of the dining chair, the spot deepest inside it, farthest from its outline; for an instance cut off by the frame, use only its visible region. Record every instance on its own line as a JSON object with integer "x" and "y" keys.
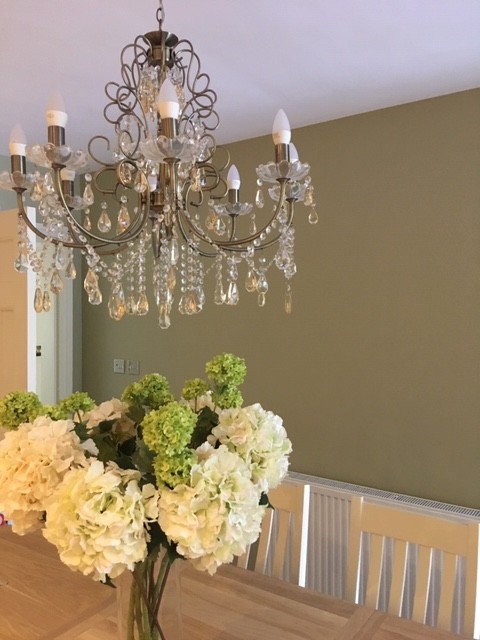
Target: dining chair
{"x": 281, "y": 549}
{"x": 408, "y": 564}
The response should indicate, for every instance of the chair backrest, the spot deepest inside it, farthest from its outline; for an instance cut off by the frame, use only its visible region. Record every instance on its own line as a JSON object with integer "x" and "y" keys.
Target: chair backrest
{"x": 412, "y": 534}
{"x": 281, "y": 550}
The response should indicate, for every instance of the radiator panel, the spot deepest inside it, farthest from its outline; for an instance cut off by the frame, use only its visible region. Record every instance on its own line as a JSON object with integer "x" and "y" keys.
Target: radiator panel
{"x": 328, "y": 538}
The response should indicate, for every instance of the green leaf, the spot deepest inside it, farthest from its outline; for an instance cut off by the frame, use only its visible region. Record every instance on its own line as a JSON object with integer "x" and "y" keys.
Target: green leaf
{"x": 136, "y": 413}
{"x": 81, "y": 431}
{"x": 265, "y": 501}
{"x": 206, "y": 421}
{"x": 143, "y": 457}
{"x": 106, "y": 448}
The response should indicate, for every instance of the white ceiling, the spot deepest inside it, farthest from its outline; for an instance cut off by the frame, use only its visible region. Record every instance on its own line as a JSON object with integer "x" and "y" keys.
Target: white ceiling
{"x": 317, "y": 59}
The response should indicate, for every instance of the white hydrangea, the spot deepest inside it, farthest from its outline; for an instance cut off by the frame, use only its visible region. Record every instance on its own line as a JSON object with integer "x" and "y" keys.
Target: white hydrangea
{"x": 97, "y": 518}
{"x": 33, "y": 461}
{"x": 259, "y": 437}
{"x": 113, "y": 409}
{"x": 217, "y": 515}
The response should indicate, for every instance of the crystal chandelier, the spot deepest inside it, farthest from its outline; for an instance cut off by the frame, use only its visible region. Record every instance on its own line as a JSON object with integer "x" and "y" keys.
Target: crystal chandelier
{"x": 160, "y": 201}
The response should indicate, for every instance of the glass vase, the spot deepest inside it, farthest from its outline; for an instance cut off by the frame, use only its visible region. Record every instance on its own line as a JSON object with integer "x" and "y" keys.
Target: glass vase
{"x": 148, "y": 601}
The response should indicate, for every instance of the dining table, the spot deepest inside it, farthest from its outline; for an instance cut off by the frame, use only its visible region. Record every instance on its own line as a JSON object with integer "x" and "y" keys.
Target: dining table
{"x": 42, "y": 599}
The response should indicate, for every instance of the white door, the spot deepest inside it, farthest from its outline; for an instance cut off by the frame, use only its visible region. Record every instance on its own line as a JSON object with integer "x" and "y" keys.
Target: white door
{"x": 35, "y": 348}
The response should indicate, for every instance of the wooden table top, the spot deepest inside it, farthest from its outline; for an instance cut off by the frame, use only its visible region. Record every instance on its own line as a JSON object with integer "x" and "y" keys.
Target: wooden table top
{"x": 242, "y": 605}
{"x": 41, "y": 599}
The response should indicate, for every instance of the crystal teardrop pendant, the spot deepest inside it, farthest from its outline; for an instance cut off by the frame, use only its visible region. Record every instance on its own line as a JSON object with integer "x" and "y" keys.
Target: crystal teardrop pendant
{"x": 259, "y": 201}
{"x": 261, "y": 299}
{"x": 95, "y": 298}
{"x": 130, "y": 305}
{"x": 88, "y": 197}
{"x": 37, "y": 192}
{"x": 171, "y": 279}
{"x": 232, "y": 294}
{"x": 61, "y": 256}
{"x": 87, "y": 222}
{"x": 21, "y": 262}
{"x": 90, "y": 283}
{"x": 56, "y": 282}
{"x": 104, "y": 223}
{"x": 142, "y": 305}
{"x": 116, "y": 302}
{"x": 163, "y": 317}
{"x": 220, "y": 227}
{"x": 123, "y": 220}
{"x": 38, "y": 300}
{"x": 140, "y": 183}
{"x": 308, "y": 201}
{"x": 288, "y": 300}
{"x": 251, "y": 281}
{"x": 219, "y": 297}
{"x": 70, "y": 271}
{"x": 47, "y": 301}
{"x": 173, "y": 251}
{"x": 262, "y": 284}
{"x": 313, "y": 216}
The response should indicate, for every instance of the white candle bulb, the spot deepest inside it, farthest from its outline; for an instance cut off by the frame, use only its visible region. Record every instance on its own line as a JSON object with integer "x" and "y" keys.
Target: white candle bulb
{"x": 293, "y": 152}
{"x": 233, "y": 178}
{"x": 167, "y": 102}
{"x": 18, "y": 141}
{"x": 56, "y": 114}
{"x": 281, "y": 128}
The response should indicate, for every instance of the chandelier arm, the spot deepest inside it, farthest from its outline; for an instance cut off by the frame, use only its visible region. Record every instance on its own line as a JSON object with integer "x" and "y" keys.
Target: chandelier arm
{"x": 235, "y": 245}
{"x": 74, "y": 225}
{"x": 92, "y": 155}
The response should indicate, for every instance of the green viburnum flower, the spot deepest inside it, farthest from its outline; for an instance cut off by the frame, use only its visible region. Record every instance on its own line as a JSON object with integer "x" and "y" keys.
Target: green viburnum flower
{"x": 168, "y": 430}
{"x": 173, "y": 470}
{"x": 18, "y": 407}
{"x": 152, "y": 391}
{"x": 194, "y": 388}
{"x": 77, "y": 402}
{"x": 227, "y": 397}
{"x": 226, "y": 369}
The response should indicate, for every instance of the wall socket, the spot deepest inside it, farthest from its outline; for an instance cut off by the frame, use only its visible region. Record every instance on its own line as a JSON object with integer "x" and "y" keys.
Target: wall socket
{"x": 118, "y": 365}
{"x": 133, "y": 367}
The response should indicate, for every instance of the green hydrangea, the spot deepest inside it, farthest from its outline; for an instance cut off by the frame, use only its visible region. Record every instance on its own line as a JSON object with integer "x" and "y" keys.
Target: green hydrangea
{"x": 194, "y": 388}
{"x": 173, "y": 470}
{"x": 168, "y": 430}
{"x": 227, "y": 397}
{"x": 151, "y": 391}
{"x": 18, "y": 407}
{"x": 71, "y": 406}
{"x": 226, "y": 369}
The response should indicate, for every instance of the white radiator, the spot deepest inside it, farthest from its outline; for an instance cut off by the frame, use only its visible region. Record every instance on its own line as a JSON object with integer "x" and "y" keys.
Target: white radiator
{"x": 329, "y": 525}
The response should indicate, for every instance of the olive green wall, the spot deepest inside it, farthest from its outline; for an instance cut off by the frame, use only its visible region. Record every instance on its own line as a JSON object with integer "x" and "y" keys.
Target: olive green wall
{"x": 7, "y": 198}
{"x": 376, "y": 372}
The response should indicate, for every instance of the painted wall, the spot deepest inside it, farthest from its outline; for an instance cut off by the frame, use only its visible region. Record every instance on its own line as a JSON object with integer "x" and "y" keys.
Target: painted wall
{"x": 8, "y": 199}
{"x": 376, "y": 372}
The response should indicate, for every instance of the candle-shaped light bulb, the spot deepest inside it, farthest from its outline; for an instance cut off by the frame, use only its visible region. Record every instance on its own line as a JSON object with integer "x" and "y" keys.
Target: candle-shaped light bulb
{"x": 56, "y": 114}
{"x": 233, "y": 178}
{"x": 293, "y": 152}
{"x": 167, "y": 101}
{"x": 281, "y": 128}
{"x": 18, "y": 141}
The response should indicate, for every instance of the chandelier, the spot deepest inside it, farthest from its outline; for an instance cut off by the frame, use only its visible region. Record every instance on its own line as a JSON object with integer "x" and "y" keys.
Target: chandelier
{"x": 160, "y": 201}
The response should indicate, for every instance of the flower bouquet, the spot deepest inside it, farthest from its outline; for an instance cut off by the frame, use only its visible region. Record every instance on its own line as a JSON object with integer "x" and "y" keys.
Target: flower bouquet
{"x": 134, "y": 483}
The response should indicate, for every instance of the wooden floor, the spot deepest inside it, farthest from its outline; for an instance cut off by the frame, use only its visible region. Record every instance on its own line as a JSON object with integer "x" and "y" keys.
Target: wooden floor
{"x": 42, "y": 599}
